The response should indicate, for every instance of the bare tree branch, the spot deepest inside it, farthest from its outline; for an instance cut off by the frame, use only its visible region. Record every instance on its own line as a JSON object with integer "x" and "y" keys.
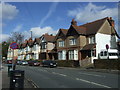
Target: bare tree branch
{"x": 17, "y": 37}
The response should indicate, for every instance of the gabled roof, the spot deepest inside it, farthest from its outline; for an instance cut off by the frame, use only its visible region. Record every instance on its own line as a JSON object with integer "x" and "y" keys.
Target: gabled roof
{"x": 93, "y": 27}
{"x": 79, "y": 29}
{"x": 64, "y": 31}
{"x": 37, "y": 40}
{"x": 48, "y": 38}
{"x": 90, "y": 28}
{"x": 30, "y": 42}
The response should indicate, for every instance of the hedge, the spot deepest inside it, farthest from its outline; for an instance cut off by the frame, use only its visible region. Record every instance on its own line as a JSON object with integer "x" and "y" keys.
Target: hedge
{"x": 65, "y": 63}
{"x": 107, "y": 64}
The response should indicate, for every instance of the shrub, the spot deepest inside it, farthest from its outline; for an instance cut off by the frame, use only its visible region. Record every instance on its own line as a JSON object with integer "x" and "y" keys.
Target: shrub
{"x": 107, "y": 64}
{"x": 65, "y": 63}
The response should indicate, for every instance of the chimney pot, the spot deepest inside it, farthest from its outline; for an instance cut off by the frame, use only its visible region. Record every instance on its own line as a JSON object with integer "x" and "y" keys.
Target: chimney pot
{"x": 73, "y": 22}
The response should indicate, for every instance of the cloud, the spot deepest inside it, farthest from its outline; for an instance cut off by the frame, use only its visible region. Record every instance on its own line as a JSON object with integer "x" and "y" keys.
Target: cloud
{"x": 8, "y": 11}
{"x": 51, "y": 10}
{"x": 4, "y": 37}
{"x": 17, "y": 28}
{"x": 92, "y": 12}
{"x": 38, "y": 31}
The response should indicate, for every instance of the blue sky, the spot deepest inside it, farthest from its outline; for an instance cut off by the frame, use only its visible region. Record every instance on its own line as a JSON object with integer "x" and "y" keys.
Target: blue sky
{"x": 49, "y": 17}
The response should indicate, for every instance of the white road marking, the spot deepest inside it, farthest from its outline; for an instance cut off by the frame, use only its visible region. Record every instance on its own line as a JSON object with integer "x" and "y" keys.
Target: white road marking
{"x": 93, "y": 83}
{"x": 92, "y": 74}
{"x": 42, "y": 70}
{"x": 59, "y": 74}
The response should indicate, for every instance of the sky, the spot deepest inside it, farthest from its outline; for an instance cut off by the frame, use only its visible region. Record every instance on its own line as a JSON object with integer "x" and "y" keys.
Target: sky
{"x": 49, "y": 17}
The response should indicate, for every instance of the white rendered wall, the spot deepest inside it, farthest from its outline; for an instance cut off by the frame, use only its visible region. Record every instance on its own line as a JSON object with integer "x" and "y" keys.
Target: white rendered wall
{"x": 101, "y": 41}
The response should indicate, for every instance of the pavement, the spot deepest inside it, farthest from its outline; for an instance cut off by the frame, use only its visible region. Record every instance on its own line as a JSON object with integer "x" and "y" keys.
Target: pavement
{"x": 6, "y": 80}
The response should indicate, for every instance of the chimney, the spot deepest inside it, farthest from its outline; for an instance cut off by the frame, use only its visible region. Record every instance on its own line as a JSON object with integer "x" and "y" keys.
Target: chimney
{"x": 73, "y": 22}
{"x": 46, "y": 34}
{"x": 111, "y": 22}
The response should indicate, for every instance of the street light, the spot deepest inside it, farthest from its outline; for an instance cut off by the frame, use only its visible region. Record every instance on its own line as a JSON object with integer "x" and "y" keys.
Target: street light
{"x": 31, "y": 33}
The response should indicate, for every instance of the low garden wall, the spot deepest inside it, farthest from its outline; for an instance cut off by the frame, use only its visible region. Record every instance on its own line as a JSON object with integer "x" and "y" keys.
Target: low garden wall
{"x": 66, "y": 63}
{"x": 107, "y": 64}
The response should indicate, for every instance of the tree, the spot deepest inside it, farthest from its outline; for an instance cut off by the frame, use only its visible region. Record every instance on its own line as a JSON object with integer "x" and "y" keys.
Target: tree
{"x": 17, "y": 37}
{"x": 5, "y": 47}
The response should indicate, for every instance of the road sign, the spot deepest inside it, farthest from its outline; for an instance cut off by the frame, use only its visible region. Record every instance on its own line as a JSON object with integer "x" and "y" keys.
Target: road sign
{"x": 14, "y": 45}
{"x": 107, "y": 46}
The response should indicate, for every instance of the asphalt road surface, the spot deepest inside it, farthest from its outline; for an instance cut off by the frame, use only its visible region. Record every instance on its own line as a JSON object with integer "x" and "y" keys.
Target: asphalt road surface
{"x": 45, "y": 77}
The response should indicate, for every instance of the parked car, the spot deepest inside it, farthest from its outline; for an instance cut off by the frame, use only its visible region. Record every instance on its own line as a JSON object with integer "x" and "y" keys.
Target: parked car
{"x": 24, "y": 63}
{"x": 34, "y": 63}
{"x": 9, "y": 61}
{"x": 49, "y": 63}
{"x": 19, "y": 62}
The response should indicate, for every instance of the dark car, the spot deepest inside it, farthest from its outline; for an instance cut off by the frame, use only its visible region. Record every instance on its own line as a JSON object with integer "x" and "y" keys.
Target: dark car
{"x": 34, "y": 63}
{"x": 49, "y": 63}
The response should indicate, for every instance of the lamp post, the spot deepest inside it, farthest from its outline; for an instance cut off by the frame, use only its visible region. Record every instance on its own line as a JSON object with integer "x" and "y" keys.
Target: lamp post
{"x": 31, "y": 33}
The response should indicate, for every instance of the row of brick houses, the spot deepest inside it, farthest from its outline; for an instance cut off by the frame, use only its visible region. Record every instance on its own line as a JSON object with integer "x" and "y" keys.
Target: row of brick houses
{"x": 79, "y": 43}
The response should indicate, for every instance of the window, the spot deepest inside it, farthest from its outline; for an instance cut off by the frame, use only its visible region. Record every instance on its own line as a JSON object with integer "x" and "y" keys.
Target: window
{"x": 61, "y": 43}
{"x": 28, "y": 48}
{"x": 73, "y": 55}
{"x": 105, "y": 53}
{"x": 35, "y": 47}
{"x": 91, "y": 40}
{"x": 36, "y": 56}
{"x": 113, "y": 54}
{"x": 113, "y": 42}
{"x": 72, "y": 41}
{"x": 93, "y": 53}
{"x": 101, "y": 54}
{"x": 62, "y": 55}
{"x": 43, "y": 46}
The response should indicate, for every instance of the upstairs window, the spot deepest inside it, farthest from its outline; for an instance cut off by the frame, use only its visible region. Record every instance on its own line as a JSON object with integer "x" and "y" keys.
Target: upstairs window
{"x": 61, "y": 43}
{"x": 91, "y": 40}
{"x": 43, "y": 46}
{"x": 113, "y": 42}
{"x": 35, "y": 47}
{"x": 72, "y": 41}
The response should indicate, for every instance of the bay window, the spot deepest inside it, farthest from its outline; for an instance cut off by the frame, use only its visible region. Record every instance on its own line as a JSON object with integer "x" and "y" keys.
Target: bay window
{"x": 62, "y": 55}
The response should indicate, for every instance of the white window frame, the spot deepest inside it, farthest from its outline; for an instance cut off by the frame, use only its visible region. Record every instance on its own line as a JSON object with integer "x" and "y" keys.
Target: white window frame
{"x": 92, "y": 40}
{"x": 61, "y": 43}
{"x": 72, "y": 41}
{"x": 62, "y": 55}
{"x": 73, "y": 54}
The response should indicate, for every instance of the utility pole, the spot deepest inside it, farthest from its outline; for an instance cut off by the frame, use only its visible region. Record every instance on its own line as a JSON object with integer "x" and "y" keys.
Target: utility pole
{"x": 31, "y": 34}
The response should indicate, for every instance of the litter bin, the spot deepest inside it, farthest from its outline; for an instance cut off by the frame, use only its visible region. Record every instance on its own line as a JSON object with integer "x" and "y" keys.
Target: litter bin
{"x": 17, "y": 79}
{"x": 9, "y": 69}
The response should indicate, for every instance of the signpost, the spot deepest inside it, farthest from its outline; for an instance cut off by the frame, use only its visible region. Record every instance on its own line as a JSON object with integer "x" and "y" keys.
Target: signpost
{"x": 13, "y": 46}
{"x": 107, "y": 47}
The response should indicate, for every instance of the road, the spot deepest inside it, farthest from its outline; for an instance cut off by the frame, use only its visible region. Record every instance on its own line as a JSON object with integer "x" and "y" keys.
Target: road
{"x": 45, "y": 77}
